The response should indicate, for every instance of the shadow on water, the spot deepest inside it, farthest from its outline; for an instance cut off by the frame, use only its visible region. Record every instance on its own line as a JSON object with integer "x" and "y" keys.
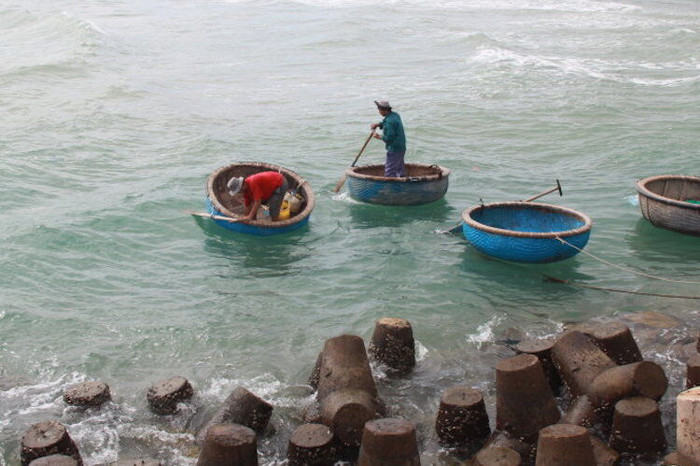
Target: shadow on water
{"x": 277, "y": 253}
{"x": 651, "y": 243}
{"x": 373, "y": 215}
{"x": 524, "y": 286}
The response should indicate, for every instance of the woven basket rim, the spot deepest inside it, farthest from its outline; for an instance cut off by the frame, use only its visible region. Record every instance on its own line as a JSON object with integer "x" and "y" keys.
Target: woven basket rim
{"x": 586, "y": 227}
{"x": 642, "y": 190}
{"x": 444, "y": 173}
{"x": 302, "y": 184}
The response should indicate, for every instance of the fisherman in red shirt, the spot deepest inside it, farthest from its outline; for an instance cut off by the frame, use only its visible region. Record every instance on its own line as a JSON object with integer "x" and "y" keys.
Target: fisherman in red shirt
{"x": 264, "y": 187}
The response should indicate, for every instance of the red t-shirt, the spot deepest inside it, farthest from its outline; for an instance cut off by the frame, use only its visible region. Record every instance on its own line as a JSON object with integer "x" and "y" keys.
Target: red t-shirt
{"x": 261, "y": 186}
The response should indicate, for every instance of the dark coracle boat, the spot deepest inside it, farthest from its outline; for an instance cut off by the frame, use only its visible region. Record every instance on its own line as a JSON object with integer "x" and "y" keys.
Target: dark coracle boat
{"x": 671, "y": 202}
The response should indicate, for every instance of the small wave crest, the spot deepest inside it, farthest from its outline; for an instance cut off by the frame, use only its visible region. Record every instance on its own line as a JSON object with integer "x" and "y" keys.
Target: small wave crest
{"x": 620, "y": 71}
{"x": 63, "y": 40}
{"x": 485, "y": 332}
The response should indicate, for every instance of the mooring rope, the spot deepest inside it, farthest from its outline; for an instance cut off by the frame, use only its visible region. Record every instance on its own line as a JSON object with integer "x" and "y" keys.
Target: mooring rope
{"x": 628, "y": 269}
{"x": 616, "y": 290}
{"x": 581, "y": 285}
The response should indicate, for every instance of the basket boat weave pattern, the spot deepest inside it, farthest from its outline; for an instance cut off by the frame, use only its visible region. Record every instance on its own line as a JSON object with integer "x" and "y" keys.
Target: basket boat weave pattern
{"x": 526, "y": 232}
{"x": 422, "y": 184}
{"x": 663, "y": 201}
{"x": 218, "y": 201}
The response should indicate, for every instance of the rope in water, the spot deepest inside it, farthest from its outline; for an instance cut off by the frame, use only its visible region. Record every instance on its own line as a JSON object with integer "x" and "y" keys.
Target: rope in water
{"x": 616, "y": 290}
{"x": 627, "y": 269}
{"x": 592, "y": 287}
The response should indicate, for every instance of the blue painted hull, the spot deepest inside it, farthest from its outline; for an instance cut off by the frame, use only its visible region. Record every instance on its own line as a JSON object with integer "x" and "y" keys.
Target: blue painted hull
{"x": 530, "y": 250}
{"x": 412, "y": 190}
{"x": 526, "y": 232}
{"x": 254, "y": 229}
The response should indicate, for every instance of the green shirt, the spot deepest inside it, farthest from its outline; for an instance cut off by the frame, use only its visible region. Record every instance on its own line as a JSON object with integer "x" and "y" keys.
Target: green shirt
{"x": 393, "y": 135}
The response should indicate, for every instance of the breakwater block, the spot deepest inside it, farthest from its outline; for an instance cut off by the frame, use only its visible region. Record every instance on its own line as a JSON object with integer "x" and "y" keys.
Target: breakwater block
{"x": 676, "y": 459}
{"x": 346, "y": 412}
{"x": 692, "y": 378}
{"x": 346, "y": 389}
{"x": 646, "y": 379}
{"x": 393, "y": 345}
{"x": 581, "y": 413}
{"x": 564, "y": 445}
{"x": 497, "y": 456}
{"x": 579, "y": 361}
{"x": 227, "y": 444}
{"x": 47, "y": 438}
{"x": 240, "y": 407}
{"x": 524, "y": 401}
{"x": 462, "y": 419}
{"x": 525, "y": 450}
{"x": 604, "y": 454}
{"x": 87, "y": 394}
{"x": 616, "y": 340}
{"x": 688, "y": 424}
{"x": 637, "y": 427}
{"x": 311, "y": 445}
{"x": 389, "y": 442}
{"x": 54, "y": 460}
{"x": 164, "y": 395}
{"x": 542, "y": 348}
{"x": 344, "y": 364}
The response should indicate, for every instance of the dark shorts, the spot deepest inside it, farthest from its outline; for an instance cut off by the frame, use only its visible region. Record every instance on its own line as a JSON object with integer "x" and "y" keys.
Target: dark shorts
{"x": 275, "y": 201}
{"x": 394, "y": 166}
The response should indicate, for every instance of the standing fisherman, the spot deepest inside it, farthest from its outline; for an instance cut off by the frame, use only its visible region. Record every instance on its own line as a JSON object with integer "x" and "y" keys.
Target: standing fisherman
{"x": 394, "y": 139}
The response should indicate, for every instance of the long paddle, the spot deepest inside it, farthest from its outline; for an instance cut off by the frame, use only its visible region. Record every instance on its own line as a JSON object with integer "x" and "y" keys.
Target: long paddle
{"x": 556, "y": 188}
{"x": 341, "y": 182}
{"x": 456, "y": 229}
{"x": 212, "y": 216}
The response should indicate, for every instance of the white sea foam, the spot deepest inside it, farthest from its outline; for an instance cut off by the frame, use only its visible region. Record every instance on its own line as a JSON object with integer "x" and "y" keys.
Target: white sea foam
{"x": 621, "y": 71}
{"x": 484, "y": 332}
{"x": 578, "y": 6}
{"x": 421, "y": 351}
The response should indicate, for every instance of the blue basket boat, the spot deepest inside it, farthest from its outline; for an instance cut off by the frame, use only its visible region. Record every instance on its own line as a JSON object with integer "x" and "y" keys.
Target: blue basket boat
{"x": 526, "y": 231}
{"x": 421, "y": 185}
{"x": 220, "y": 203}
{"x": 671, "y": 202}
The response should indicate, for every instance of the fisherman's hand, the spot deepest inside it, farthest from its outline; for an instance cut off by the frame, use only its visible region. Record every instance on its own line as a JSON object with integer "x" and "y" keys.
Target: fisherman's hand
{"x": 377, "y": 136}
{"x": 374, "y": 126}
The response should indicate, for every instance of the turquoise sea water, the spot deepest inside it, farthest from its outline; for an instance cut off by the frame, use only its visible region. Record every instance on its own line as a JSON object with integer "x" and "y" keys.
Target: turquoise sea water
{"x": 114, "y": 113}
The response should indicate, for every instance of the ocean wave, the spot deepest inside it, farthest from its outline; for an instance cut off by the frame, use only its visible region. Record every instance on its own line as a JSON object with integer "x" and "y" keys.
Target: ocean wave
{"x": 621, "y": 71}
{"x": 461, "y": 5}
{"x": 64, "y": 42}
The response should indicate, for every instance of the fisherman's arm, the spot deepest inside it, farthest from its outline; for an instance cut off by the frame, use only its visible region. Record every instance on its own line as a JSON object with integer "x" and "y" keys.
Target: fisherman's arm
{"x": 254, "y": 206}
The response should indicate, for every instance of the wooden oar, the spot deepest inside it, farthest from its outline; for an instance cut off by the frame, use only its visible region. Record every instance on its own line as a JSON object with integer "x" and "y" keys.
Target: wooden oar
{"x": 556, "y": 188}
{"x": 458, "y": 228}
{"x": 213, "y": 216}
{"x": 341, "y": 182}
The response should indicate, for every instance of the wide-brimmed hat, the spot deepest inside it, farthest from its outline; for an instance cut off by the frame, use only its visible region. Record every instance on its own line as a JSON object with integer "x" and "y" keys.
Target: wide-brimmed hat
{"x": 383, "y": 104}
{"x": 234, "y": 185}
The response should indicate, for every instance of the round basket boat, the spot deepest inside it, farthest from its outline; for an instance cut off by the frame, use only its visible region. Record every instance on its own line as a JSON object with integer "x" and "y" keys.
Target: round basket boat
{"x": 421, "y": 185}
{"x": 526, "y": 231}
{"x": 220, "y": 202}
{"x": 671, "y": 202}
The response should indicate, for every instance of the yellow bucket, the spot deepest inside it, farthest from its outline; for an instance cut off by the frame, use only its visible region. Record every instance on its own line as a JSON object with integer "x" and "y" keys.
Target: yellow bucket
{"x": 284, "y": 211}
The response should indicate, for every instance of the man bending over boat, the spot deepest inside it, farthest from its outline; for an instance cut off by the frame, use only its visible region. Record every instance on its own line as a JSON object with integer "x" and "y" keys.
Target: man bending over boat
{"x": 394, "y": 139}
{"x": 264, "y": 187}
